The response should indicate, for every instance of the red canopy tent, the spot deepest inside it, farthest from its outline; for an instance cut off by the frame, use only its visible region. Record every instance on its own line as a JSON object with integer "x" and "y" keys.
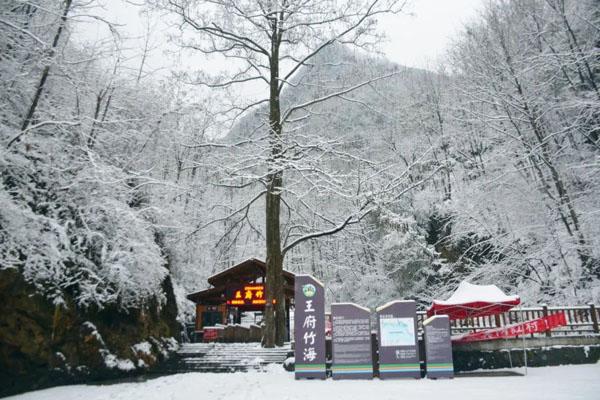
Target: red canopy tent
{"x": 469, "y": 301}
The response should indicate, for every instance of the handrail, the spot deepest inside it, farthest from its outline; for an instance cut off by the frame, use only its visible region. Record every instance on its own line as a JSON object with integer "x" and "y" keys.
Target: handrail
{"x": 581, "y": 320}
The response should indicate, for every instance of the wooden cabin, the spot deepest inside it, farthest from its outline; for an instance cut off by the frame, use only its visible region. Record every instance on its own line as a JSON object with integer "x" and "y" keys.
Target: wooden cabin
{"x": 235, "y": 291}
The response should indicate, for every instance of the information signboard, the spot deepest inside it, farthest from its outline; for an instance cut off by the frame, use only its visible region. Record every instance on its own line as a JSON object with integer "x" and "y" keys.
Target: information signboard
{"x": 438, "y": 347}
{"x": 309, "y": 328}
{"x": 398, "y": 340}
{"x": 351, "y": 342}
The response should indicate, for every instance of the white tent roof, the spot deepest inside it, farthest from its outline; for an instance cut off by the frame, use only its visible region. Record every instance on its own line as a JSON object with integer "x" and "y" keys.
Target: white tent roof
{"x": 470, "y": 293}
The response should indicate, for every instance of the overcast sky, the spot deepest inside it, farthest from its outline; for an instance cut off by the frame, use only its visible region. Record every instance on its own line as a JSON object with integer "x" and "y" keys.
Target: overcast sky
{"x": 415, "y": 38}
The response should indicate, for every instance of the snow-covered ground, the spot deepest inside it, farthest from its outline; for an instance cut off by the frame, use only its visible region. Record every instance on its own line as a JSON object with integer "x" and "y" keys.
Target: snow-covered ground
{"x": 565, "y": 382}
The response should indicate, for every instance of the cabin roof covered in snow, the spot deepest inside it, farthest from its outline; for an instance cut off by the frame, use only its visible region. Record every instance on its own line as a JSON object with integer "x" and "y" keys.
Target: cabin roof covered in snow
{"x": 243, "y": 273}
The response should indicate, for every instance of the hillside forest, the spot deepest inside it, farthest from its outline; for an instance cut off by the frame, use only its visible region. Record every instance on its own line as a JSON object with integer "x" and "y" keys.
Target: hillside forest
{"x": 122, "y": 189}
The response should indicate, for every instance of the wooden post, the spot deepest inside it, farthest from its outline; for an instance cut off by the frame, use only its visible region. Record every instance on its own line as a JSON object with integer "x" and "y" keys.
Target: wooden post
{"x": 594, "y": 318}
{"x": 530, "y": 315}
{"x": 523, "y": 337}
{"x": 287, "y": 320}
{"x": 199, "y": 311}
{"x": 223, "y": 309}
{"x": 545, "y": 312}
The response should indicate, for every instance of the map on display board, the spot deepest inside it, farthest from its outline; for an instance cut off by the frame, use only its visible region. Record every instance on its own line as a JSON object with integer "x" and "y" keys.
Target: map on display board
{"x": 397, "y": 332}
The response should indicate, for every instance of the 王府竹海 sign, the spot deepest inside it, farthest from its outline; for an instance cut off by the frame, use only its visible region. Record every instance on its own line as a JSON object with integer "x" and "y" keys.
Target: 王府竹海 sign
{"x": 309, "y": 328}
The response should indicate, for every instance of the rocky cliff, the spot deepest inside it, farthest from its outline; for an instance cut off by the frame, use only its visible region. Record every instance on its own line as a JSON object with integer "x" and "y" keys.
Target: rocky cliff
{"x": 43, "y": 345}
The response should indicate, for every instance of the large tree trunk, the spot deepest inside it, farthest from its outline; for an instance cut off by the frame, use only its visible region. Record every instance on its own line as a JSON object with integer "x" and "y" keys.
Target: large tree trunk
{"x": 274, "y": 330}
{"x": 274, "y": 314}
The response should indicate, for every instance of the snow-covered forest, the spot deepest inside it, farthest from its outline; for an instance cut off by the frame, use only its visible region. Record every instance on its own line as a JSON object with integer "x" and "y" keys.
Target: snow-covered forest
{"x": 397, "y": 183}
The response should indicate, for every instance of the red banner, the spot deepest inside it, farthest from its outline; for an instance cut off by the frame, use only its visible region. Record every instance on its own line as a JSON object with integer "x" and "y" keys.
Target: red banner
{"x": 210, "y": 334}
{"x": 523, "y": 328}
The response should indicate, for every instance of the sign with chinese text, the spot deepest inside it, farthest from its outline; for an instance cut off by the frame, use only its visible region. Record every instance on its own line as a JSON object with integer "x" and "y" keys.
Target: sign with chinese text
{"x": 309, "y": 328}
{"x": 249, "y": 295}
{"x": 351, "y": 342}
{"x": 211, "y": 334}
{"x": 438, "y": 347}
{"x": 398, "y": 340}
{"x": 524, "y": 328}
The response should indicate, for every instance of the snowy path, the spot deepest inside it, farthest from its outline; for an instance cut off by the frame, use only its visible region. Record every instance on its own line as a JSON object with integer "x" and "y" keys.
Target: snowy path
{"x": 566, "y": 382}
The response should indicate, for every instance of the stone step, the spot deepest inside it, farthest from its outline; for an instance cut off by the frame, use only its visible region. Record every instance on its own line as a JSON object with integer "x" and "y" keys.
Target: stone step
{"x": 236, "y": 356}
{"x": 233, "y": 348}
{"x": 246, "y": 355}
{"x": 231, "y": 360}
{"x": 217, "y": 364}
{"x": 244, "y": 349}
{"x": 227, "y": 357}
{"x": 252, "y": 355}
{"x": 218, "y": 370}
{"x": 231, "y": 345}
{"x": 237, "y": 350}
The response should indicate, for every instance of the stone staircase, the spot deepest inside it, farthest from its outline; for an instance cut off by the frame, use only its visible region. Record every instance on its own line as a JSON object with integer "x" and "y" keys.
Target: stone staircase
{"x": 227, "y": 357}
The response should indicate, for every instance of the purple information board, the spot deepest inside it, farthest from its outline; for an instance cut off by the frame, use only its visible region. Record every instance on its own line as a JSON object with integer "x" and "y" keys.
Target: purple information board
{"x": 398, "y": 340}
{"x": 438, "y": 347}
{"x": 309, "y": 328}
{"x": 351, "y": 342}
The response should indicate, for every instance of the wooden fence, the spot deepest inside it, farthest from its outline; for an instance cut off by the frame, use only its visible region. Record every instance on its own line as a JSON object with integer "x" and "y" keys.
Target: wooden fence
{"x": 232, "y": 333}
{"x": 581, "y": 320}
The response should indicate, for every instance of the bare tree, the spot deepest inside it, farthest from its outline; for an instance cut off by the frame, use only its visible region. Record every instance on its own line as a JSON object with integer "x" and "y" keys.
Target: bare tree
{"x": 270, "y": 42}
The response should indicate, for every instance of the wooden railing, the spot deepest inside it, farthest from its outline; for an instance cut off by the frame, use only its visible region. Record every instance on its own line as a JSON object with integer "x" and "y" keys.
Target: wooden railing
{"x": 581, "y": 320}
